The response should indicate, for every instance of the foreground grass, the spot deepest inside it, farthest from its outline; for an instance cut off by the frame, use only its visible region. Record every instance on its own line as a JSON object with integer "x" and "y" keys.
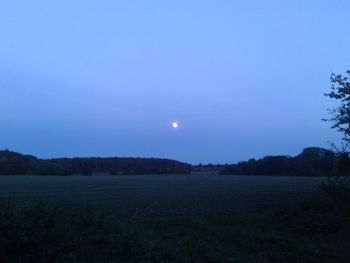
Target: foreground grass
{"x": 313, "y": 231}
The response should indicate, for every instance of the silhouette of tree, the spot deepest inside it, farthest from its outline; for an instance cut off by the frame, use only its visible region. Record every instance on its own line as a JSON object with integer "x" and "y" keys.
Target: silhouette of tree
{"x": 313, "y": 161}
{"x": 12, "y": 163}
{"x": 340, "y": 116}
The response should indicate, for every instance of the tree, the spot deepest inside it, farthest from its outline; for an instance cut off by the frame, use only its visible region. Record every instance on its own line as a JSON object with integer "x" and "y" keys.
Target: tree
{"x": 340, "y": 116}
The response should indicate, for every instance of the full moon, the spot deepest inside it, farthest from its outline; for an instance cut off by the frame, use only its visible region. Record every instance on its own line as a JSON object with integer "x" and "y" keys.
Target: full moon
{"x": 175, "y": 125}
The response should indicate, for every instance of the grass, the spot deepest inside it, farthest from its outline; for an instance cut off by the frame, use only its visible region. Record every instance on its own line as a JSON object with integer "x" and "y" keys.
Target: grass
{"x": 311, "y": 231}
{"x": 161, "y": 194}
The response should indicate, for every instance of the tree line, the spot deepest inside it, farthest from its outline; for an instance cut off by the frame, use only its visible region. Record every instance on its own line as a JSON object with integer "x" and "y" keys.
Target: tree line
{"x": 313, "y": 161}
{"x": 12, "y": 163}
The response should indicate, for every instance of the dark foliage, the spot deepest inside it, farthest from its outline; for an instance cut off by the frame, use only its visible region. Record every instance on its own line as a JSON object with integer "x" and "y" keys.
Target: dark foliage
{"x": 340, "y": 116}
{"x": 12, "y": 163}
{"x": 327, "y": 213}
{"x": 117, "y": 166}
{"x": 312, "y": 161}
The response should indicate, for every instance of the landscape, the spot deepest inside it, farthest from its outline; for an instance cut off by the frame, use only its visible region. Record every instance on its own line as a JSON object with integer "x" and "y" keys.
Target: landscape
{"x": 174, "y": 131}
{"x": 94, "y": 210}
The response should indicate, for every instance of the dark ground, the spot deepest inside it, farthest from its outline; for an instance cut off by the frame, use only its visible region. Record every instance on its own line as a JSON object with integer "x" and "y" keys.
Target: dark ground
{"x": 182, "y": 218}
{"x": 161, "y": 194}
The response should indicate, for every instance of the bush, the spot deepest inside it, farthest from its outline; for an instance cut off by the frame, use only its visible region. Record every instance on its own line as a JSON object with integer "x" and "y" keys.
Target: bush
{"x": 328, "y": 213}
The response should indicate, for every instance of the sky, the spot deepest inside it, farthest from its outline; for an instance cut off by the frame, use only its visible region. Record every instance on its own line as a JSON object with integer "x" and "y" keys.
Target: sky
{"x": 242, "y": 78}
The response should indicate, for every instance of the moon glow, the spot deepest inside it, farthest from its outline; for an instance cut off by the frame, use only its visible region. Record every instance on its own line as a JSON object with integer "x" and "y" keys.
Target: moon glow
{"x": 175, "y": 125}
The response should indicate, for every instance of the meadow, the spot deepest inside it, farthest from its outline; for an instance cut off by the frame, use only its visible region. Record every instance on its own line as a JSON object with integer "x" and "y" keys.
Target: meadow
{"x": 172, "y": 218}
{"x": 161, "y": 194}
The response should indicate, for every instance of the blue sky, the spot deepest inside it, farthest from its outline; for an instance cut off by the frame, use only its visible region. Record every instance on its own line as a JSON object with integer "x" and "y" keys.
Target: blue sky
{"x": 107, "y": 78}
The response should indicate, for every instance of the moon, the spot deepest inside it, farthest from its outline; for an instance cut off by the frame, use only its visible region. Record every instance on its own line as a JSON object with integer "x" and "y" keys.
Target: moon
{"x": 175, "y": 125}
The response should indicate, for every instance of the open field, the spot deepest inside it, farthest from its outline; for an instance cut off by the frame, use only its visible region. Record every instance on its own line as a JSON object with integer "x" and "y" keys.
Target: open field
{"x": 161, "y": 194}
{"x": 177, "y": 218}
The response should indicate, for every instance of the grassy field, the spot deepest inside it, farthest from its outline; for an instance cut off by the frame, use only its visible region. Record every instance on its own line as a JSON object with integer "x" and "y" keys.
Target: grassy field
{"x": 140, "y": 219}
{"x": 161, "y": 194}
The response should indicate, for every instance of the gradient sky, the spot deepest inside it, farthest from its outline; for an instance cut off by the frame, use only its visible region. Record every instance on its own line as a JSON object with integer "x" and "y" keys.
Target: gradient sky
{"x": 107, "y": 78}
